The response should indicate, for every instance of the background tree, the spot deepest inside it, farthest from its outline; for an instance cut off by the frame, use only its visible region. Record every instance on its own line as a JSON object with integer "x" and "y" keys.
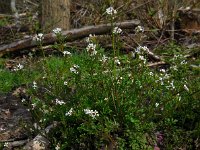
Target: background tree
{"x": 55, "y": 13}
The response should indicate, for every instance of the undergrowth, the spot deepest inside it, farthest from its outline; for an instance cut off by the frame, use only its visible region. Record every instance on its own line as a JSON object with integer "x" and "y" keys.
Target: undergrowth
{"x": 108, "y": 100}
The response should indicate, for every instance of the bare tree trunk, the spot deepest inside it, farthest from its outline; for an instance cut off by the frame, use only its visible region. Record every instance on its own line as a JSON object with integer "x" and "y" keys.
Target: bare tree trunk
{"x": 55, "y": 14}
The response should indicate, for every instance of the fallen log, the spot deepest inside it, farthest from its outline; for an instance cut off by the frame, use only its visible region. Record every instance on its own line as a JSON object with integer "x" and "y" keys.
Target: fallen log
{"x": 70, "y": 35}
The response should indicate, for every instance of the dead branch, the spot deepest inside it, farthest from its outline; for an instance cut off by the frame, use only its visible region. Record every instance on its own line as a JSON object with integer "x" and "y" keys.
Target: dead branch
{"x": 14, "y": 144}
{"x": 70, "y": 35}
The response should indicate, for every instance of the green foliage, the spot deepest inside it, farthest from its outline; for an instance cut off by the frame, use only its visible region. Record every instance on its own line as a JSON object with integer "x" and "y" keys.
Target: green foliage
{"x": 130, "y": 101}
{"x": 99, "y": 100}
{"x": 11, "y": 79}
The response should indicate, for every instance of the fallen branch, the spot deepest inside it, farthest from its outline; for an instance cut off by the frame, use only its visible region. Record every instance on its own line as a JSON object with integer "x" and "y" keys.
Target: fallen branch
{"x": 70, "y": 35}
{"x": 14, "y": 144}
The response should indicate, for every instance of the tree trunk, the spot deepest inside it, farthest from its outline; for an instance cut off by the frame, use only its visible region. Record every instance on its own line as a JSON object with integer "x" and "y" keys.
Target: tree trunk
{"x": 55, "y": 14}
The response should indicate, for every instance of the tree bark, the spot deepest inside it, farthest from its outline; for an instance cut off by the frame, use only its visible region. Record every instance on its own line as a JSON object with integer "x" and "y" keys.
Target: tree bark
{"x": 55, "y": 14}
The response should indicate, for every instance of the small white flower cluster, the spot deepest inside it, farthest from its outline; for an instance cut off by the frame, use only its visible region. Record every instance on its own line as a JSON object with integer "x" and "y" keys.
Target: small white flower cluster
{"x": 162, "y": 70}
{"x": 117, "y": 30}
{"x": 151, "y": 73}
{"x": 178, "y": 56}
{"x": 33, "y": 105}
{"x": 111, "y": 11}
{"x": 74, "y": 69}
{"x": 92, "y": 113}
{"x": 38, "y": 37}
{"x": 66, "y": 53}
{"x": 59, "y": 102}
{"x": 172, "y": 84}
{"x": 57, "y": 147}
{"x": 69, "y": 113}
{"x": 104, "y": 59}
{"x": 142, "y": 58}
{"x": 23, "y": 100}
{"x": 90, "y": 38}
{"x": 34, "y": 85}
{"x": 6, "y": 144}
{"x": 18, "y": 67}
{"x": 141, "y": 49}
{"x": 91, "y": 48}
{"x": 117, "y": 62}
{"x": 139, "y": 29}
{"x": 57, "y": 30}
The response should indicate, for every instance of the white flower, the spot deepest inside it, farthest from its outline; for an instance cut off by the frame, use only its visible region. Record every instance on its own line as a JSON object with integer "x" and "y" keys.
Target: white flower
{"x": 34, "y": 85}
{"x": 18, "y": 67}
{"x": 162, "y": 70}
{"x": 139, "y": 49}
{"x": 151, "y": 73}
{"x": 65, "y": 82}
{"x": 89, "y": 39}
{"x": 172, "y": 85}
{"x": 106, "y": 99}
{"x": 91, "y": 48}
{"x": 143, "y": 59}
{"x": 183, "y": 62}
{"x": 38, "y": 37}
{"x": 33, "y": 106}
{"x": 66, "y": 53}
{"x": 23, "y": 100}
{"x": 92, "y": 113}
{"x": 6, "y": 144}
{"x": 74, "y": 69}
{"x": 76, "y": 66}
{"x": 57, "y": 30}
{"x": 139, "y": 29}
{"x": 179, "y": 97}
{"x": 60, "y": 102}
{"x": 104, "y": 59}
{"x": 186, "y": 88}
{"x": 117, "y": 62}
{"x": 111, "y": 11}
{"x": 157, "y": 104}
{"x": 117, "y": 30}
{"x": 69, "y": 113}
{"x": 57, "y": 147}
